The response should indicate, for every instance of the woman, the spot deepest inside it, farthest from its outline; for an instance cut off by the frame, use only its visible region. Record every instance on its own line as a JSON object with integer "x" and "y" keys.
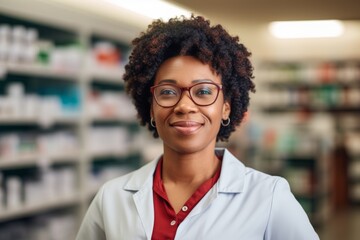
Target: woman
{"x": 190, "y": 83}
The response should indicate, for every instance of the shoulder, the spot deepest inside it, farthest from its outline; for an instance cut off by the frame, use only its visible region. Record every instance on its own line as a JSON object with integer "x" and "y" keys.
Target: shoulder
{"x": 257, "y": 178}
{"x": 287, "y": 217}
{"x": 245, "y": 179}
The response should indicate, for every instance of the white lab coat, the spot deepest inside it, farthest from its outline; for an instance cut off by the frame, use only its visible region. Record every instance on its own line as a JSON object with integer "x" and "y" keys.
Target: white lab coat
{"x": 243, "y": 204}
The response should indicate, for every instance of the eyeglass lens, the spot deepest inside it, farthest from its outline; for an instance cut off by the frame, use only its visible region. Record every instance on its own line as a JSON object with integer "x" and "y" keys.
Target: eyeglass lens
{"x": 202, "y": 94}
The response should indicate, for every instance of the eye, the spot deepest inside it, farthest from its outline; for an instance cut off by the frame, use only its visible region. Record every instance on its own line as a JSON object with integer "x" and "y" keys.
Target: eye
{"x": 203, "y": 91}
{"x": 167, "y": 92}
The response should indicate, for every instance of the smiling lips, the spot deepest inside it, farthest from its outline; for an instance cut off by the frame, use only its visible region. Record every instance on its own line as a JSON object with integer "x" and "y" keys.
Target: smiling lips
{"x": 186, "y": 127}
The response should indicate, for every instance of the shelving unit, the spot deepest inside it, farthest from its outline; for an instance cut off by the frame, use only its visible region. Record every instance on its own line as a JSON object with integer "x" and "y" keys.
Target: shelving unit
{"x": 68, "y": 98}
{"x": 45, "y": 206}
{"x": 304, "y": 90}
{"x": 38, "y": 70}
{"x": 30, "y": 160}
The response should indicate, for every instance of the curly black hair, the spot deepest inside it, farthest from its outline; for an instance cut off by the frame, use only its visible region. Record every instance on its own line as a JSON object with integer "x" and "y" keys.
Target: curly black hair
{"x": 194, "y": 37}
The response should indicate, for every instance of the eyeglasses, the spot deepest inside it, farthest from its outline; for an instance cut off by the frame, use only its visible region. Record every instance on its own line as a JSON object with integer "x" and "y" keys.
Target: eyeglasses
{"x": 202, "y": 94}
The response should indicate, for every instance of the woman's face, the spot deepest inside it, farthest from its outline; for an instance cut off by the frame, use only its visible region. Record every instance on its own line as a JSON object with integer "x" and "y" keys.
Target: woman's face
{"x": 187, "y": 127}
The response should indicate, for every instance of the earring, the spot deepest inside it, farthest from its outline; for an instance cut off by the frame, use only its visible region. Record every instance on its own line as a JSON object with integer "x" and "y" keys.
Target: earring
{"x": 152, "y": 123}
{"x": 225, "y": 123}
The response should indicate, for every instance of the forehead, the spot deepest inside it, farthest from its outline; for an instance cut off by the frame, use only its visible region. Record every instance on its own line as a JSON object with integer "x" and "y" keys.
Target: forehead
{"x": 184, "y": 70}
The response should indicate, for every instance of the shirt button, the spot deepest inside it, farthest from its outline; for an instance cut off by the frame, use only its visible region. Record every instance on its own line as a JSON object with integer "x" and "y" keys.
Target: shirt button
{"x": 184, "y": 208}
{"x": 173, "y": 222}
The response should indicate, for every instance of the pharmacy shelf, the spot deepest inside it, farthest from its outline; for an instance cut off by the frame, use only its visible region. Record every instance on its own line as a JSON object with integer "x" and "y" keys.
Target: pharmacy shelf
{"x": 61, "y": 27}
{"x": 42, "y": 121}
{"x": 310, "y": 84}
{"x": 96, "y": 73}
{"x": 26, "y": 211}
{"x": 112, "y": 154}
{"x": 30, "y": 160}
{"x": 312, "y": 109}
{"x": 111, "y": 119}
{"x": 328, "y": 88}
{"x": 39, "y": 70}
{"x": 99, "y": 73}
{"x": 112, "y": 75}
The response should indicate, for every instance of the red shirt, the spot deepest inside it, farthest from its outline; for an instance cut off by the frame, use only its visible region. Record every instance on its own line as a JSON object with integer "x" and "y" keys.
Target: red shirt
{"x": 166, "y": 220}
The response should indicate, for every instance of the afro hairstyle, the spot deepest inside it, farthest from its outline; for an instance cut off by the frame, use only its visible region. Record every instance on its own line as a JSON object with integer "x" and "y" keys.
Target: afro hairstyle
{"x": 193, "y": 36}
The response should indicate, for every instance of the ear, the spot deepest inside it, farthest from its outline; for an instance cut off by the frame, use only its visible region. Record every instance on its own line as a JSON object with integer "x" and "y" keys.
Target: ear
{"x": 226, "y": 110}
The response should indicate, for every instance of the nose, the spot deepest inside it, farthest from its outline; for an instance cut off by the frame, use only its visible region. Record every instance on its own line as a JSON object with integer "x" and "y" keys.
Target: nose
{"x": 185, "y": 104}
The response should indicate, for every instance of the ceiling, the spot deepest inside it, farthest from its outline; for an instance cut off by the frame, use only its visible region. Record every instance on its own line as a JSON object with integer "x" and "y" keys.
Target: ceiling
{"x": 240, "y": 11}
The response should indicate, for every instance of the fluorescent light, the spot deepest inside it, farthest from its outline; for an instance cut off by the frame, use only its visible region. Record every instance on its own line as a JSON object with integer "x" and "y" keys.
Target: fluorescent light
{"x": 307, "y": 29}
{"x": 152, "y": 8}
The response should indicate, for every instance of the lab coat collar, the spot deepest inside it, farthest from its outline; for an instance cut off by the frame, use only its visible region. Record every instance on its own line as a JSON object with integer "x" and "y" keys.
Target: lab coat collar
{"x": 142, "y": 176}
{"x": 231, "y": 181}
{"x": 141, "y": 183}
{"x": 231, "y": 178}
{"x": 232, "y": 175}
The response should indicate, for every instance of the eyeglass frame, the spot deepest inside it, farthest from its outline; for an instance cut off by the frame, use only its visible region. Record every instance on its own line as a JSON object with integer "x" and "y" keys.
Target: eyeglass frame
{"x": 182, "y": 89}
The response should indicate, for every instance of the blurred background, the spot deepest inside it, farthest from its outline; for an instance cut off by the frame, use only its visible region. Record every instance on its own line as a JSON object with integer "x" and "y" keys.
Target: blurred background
{"x": 66, "y": 125}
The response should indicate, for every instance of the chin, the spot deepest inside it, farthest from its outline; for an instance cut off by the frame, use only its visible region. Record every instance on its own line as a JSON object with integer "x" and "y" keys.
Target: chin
{"x": 189, "y": 147}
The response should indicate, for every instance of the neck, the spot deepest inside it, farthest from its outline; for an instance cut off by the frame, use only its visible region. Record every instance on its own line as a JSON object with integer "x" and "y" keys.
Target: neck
{"x": 189, "y": 168}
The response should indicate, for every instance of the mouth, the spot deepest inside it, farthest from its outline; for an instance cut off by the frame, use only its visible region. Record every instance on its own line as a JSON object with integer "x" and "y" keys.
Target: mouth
{"x": 186, "y": 127}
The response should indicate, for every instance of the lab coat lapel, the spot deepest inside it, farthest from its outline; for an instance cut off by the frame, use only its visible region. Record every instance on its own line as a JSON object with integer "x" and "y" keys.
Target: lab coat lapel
{"x": 141, "y": 184}
{"x": 231, "y": 180}
{"x": 144, "y": 203}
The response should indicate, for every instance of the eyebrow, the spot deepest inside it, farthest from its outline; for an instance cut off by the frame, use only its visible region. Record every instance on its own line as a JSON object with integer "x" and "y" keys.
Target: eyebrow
{"x": 172, "y": 81}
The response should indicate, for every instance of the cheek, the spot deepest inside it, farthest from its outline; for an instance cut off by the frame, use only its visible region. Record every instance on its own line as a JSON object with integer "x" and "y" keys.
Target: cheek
{"x": 160, "y": 114}
{"x": 215, "y": 113}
